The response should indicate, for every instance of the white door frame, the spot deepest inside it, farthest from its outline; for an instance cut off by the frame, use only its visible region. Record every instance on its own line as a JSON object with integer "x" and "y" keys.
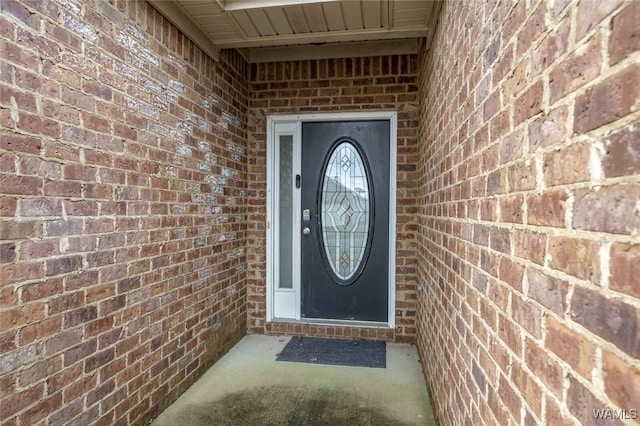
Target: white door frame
{"x": 278, "y": 125}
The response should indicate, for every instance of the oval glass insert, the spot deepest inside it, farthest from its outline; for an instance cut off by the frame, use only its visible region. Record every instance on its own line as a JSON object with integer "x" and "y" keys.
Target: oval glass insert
{"x": 345, "y": 211}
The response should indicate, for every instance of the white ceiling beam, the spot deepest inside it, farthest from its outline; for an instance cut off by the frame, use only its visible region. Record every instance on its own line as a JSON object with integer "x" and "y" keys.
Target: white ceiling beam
{"x": 341, "y": 50}
{"x": 174, "y": 13}
{"x": 333, "y": 36}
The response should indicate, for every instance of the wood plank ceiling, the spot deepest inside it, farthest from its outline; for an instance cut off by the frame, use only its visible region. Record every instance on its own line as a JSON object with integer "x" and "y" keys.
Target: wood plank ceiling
{"x": 275, "y": 30}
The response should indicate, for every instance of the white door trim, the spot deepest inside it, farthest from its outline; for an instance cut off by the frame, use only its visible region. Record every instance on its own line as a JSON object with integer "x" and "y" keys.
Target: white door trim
{"x": 292, "y": 124}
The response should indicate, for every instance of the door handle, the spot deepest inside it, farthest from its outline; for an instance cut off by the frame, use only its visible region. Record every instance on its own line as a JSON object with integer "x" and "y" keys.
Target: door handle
{"x": 306, "y": 231}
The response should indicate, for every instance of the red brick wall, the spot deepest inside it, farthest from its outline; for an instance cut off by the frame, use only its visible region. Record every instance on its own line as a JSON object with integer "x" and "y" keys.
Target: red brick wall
{"x": 123, "y": 226}
{"x": 529, "y": 226}
{"x": 353, "y": 84}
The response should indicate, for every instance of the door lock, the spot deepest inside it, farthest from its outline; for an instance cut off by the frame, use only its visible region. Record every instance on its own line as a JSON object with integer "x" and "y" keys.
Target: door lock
{"x": 306, "y": 231}
{"x": 306, "y": 215}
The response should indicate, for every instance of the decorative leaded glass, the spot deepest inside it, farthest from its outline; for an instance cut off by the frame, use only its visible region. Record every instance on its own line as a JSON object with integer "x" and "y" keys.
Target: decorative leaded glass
{"x": 344, "y": 210}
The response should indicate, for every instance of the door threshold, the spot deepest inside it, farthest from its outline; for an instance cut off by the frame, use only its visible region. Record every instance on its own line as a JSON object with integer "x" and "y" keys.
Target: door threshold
{"x": 334, "y": 322}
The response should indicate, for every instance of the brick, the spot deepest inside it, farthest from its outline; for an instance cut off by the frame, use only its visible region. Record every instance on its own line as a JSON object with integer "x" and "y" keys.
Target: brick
{"x": 547, "y": 209}
{"x": 591, "y": 14}
{"x": 62, "y": 151}
{"x": 42, "y": 45}
{"x": 21, "y": 143}
{"x": 18, "y": 11}
{"x": 15, "y": 230}
{"x": 510, "y": 398}
{"x": 553, "y": 415}
{"x": 527, "y": 315}
{"x": 500, "y": 240}
{"x": 63, "y": 189}
{"x": 611, "y": 319}
{"x": 553, "y": 46}
{"x": 530, "y": 246}
{"x": 22, "y": 103}
{"x": 67, "y": 413}
{"x": 577, "y": 257}
{"x": 45, "y": 169}
{"x": 578, "y": 69}
{"x": 15, "y": 272}
{"x": 40, "y": 290}
{"x": 40, "y": 330}
{"x": 7, "y": 252}
{"x": 621, "y": 381}
{"x": 582, "y": 403}
{"x": 80, "y": 316}
{"x": 521, "y": 176}
{"x": 21, "y": 357}
{"x": 511, "y": 209}
{"x": 8, "y": 207}
{"x": 533, "y": 28}
{"x": 99, "y": 359}
{"x": 41, "y": 207}
{"x": 63, "y": 265}
{"x": 570, "y": 346}
{"x": 38, "y": 125}
{"x": 548, "y": 129}
{"x": 8, "y": 341}
{"x": 512, "y": 147}
{"x": 21, "y": 185}
{"x": 79, "y": 352}
{"x": 549, "y": 291}
{"x": 528, "y": 104}
{"x": 555, "y": 164}
{"x": 609, "y": 100}
{"x": 56, "y": 228}
{"x": 511, "y": 273}
{"x": 42, "y": 409}
{"x": 38, "y": 249}
{"x": 509, "y": 333}
{"x": 610, "y": 209}
{"x": 62, "y": 341}
{"x": 531, "y": 392}
{"x": 622, "y": 155}
{"x": 20, "y": 400}
{"x": 543, "y": 367}
{"x": 8, "y": 162}
{"x": 60, "y": 112}
{"x": 497, "y": 182}
{"x": 39, "y": 371}
{"x": 624, "y": 265}
{"x": 625, "y": 35}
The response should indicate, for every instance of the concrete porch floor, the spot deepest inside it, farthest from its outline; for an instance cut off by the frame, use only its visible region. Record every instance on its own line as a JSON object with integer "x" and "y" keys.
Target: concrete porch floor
{"x": 248, "y": 387}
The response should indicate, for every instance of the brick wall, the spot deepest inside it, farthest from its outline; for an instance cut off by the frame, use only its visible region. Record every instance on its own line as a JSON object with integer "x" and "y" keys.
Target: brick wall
{"x": 352, "y": 84}
{"x": 529, "y": 225}
{"x": 123, "y": 226}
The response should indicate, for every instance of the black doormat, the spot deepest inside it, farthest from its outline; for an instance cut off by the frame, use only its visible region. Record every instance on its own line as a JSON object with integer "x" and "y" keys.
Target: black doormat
{"x": 355, "y": 353}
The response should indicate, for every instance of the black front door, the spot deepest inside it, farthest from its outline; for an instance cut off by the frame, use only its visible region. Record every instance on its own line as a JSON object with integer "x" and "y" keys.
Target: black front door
{"x": 345, "y": 220}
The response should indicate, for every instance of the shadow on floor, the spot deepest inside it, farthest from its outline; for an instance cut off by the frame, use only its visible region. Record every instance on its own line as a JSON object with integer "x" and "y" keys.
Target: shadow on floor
{"x": 286, "y": 405}
{"x": 248, "y": 387}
